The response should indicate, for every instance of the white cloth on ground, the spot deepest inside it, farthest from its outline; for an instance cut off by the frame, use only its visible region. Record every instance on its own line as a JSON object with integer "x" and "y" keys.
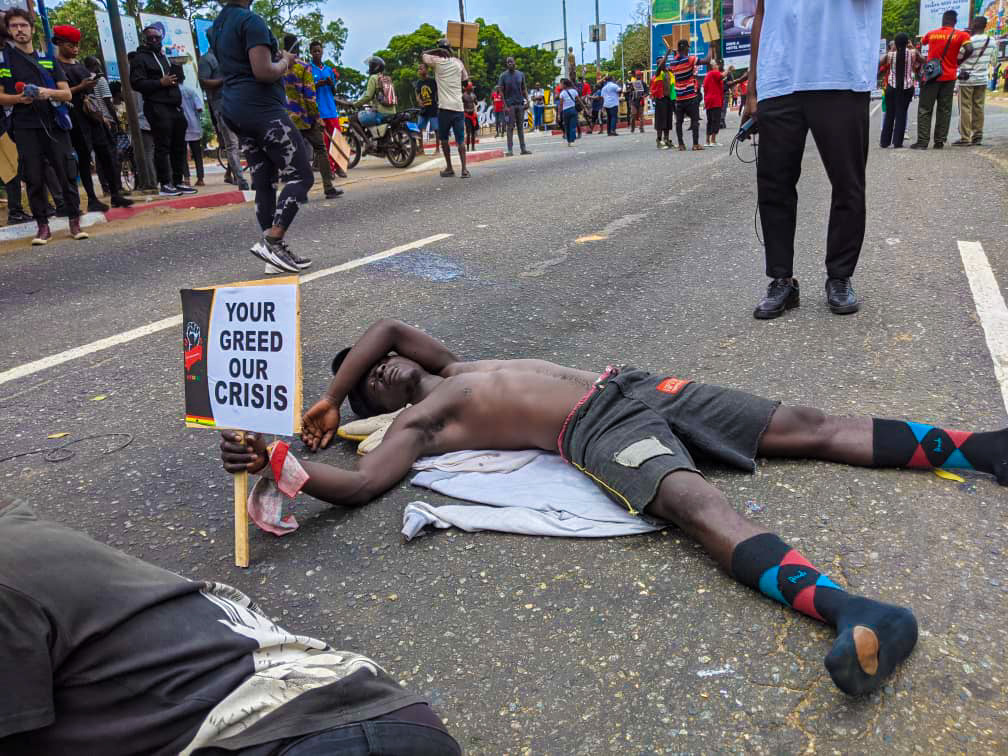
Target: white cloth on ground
{"x": 545, "y": 496}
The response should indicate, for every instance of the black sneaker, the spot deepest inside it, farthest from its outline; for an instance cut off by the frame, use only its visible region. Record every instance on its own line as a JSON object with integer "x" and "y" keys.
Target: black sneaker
{"x": 119, "y": 201}
{"x": 96, "y": 206}
{"x": 301, "y": 262}
{"x": 781, "y": 295}
{"x": 939, "y": 146}
{"x": 17, "y": 216}
{"x": 274, "y": 252}
{"x": 185, "y": 189}
{"x": 919, "y": 146}
{"x": 526, "y": 152}
{"x": 169, "y": 190}
{"x": 332, "y": 193}
{"x": 841, "y": 297}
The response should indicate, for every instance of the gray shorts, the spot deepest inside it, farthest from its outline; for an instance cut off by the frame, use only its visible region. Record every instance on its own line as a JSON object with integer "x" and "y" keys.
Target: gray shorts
{"x": 633, "y": 428}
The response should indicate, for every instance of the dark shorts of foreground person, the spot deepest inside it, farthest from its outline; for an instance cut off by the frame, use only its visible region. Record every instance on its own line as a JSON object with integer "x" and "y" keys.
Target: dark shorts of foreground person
{"x": 633, "y": 428}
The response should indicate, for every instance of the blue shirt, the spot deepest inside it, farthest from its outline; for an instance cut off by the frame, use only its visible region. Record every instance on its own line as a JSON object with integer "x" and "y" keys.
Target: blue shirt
{"x": 814, "y": 46}
{"x": 610, "y": 95}
{"x": 243, "y": 99}
{"x": 324, "y": 95}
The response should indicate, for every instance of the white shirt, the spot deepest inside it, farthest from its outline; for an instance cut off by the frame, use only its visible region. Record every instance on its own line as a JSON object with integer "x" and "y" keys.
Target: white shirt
{"x": 610, "y": 94}
{"x": 979, "y": 68}
{"x": 806, "y": 46}
{"x": 448, "y": 73}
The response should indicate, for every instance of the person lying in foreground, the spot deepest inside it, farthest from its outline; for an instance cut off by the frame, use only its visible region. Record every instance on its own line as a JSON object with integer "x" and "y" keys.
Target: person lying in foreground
{"x": 103, "y": 653}
{"x": 635, "y": 435}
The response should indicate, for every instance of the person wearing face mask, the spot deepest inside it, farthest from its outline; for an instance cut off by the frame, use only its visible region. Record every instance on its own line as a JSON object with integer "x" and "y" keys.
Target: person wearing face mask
{"x": 154, "y": 77}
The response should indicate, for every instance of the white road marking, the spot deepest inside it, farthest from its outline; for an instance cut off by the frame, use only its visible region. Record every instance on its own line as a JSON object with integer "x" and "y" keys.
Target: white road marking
{"x": 160, "y": 325}
{"x": 990, "y": 307}
{"x": 875, "y": 109}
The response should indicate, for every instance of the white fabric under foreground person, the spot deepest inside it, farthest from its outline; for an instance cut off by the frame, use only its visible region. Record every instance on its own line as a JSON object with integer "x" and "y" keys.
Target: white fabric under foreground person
{"x": 545, "y": 496}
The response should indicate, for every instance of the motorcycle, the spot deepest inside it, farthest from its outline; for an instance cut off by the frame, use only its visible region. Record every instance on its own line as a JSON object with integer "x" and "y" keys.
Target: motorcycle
{"x": 397, "y": 139}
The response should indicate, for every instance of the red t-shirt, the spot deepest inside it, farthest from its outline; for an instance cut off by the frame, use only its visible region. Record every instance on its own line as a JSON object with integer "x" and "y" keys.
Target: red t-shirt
{"x": 936, "y": 41}
{"x": 585, "y": 89}
{"x": 498, "y": 102}
{"x": 713, "y": 89}
{"x": 743, "y": 87}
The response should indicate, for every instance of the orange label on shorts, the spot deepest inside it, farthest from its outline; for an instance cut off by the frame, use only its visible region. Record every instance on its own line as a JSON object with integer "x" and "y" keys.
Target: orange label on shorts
{"x": 673, "y": 385}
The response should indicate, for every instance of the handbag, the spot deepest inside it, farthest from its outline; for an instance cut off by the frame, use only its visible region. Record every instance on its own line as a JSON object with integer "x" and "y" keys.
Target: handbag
{"x": 933, "y": 68}
{"x": 965, "y": 74}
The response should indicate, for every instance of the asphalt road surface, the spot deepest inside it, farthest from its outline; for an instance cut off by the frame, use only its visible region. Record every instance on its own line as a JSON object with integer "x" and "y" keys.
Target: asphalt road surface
{"x": 607, "y": 252}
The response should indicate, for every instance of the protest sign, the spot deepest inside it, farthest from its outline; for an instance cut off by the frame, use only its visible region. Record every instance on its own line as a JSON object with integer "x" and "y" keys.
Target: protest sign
{"x": 241, "y": 353}
{"x": 177, "y": 44}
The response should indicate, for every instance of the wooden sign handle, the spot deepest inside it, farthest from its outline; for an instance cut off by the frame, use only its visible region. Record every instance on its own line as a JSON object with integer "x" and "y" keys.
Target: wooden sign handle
{"x": 241, "y": 525}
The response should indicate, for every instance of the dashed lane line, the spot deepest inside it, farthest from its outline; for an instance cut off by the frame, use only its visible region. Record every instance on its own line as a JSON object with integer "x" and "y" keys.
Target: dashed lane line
{"x": 990, "y": 307}
{"x": 45, "y": 363}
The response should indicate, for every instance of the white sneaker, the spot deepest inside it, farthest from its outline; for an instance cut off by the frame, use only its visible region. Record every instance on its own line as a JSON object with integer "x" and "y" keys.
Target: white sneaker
{"x": 270, "y": 251}
{"x": 273, "y": 270}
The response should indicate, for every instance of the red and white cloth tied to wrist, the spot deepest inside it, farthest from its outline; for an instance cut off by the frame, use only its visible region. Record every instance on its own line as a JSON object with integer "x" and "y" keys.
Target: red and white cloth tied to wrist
{"x": 281, "y": 479}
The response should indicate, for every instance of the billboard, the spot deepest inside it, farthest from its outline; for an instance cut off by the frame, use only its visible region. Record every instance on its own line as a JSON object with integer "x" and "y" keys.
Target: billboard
{"x": 931, "y": 13}
{"x": 737, "y": 31}
{"x": 689, "y": 29}
{"x": 130, "y": 38}
{"x": 680, "y": 10}
{"x": 177, "y": 42}
{"x": 201, "y": 26}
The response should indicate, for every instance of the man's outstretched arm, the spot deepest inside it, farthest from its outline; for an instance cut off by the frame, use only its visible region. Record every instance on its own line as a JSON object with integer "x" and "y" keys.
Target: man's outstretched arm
{"x": 320, "y": 422}
{"x": 377, "y": 472}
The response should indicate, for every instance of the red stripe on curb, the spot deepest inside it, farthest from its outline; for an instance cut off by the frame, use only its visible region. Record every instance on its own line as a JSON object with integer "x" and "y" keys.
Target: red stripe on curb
{"x": 479, "y": 157}
{"x": 218, "y": 199}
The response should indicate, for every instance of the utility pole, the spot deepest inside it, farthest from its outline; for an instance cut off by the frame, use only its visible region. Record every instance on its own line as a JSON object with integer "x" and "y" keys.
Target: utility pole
{"x": 462, "y": 11}
{"x": 144, "y": 179}
{"x": 598, "y": 44}
{"x": 563, "y": 57}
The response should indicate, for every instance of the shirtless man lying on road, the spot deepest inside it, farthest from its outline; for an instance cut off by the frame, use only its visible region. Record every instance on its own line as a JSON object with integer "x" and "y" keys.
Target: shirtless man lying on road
{"x": 635, "y": 434}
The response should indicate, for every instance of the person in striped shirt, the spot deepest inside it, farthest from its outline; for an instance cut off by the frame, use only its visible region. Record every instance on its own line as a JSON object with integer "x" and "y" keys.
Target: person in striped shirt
{"x": 973, "y": 90}
{"x": 687, "y": 102}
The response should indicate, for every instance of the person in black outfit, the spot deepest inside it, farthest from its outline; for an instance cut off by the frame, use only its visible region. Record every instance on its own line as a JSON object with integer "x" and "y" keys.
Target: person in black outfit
{"x": 32, "y": 85}
{"x": 154, "y": 77}
{"x": 88, "y": 135}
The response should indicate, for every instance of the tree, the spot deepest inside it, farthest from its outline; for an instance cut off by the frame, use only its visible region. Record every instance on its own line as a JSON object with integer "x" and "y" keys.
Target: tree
{"x": 900, "y": 16}
{"x": 350, "y": 84}
{"x": 79, "y": 13}
{"x": 303, "y": 18}
{"x": 635, "y": 45}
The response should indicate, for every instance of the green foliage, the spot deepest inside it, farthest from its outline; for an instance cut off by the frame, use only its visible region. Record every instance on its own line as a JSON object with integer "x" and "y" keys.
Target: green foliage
{"x": 484, "y": 64}
{"x": 79, "y": 13}
{"x": 294, "y": 17}
{"x": 635, "y": 45}
{"x": 900, "y": 16}
{"x": 350, "y": 84}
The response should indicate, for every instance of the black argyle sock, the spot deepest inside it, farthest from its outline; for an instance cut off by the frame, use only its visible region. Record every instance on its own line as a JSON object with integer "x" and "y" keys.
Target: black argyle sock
{"x": 899, "y": 443}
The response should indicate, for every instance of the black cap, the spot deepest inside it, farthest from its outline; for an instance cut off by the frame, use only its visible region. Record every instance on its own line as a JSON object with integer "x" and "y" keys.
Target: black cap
{"x": 358, "y": 401}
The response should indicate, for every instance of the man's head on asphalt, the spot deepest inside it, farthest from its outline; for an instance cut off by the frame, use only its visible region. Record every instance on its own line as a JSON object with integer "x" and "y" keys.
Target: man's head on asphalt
{"x": 315, "y": 48}
{"x": 510, "y": 63}
{"x": 391, "y": 383}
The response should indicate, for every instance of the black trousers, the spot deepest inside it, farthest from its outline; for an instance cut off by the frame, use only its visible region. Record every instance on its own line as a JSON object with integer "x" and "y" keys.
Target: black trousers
{"x": 168, "y": 128}
{"x": 713, "y": 121}
{"x": 13, "y": 187}
{"x": 662, "y": 117}
{"x": 838, "y": 120}
{"x": 897, "y": 101}
{"x": 36, "y": 147}
{"x": 88, "y": 136}
{"x": 196, "y": 150}
{"x": 689, "y": 108}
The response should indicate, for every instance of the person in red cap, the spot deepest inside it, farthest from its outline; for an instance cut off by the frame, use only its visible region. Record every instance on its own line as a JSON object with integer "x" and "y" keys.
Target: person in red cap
{"x": 90, "y": 132}
{"x": 35, "y": 88}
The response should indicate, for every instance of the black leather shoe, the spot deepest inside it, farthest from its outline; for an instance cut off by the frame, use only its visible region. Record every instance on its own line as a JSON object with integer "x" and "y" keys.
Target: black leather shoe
{"x": 781, "y": 295}
{"x": 919, "y": 146}
{"x": 841, "y": 297}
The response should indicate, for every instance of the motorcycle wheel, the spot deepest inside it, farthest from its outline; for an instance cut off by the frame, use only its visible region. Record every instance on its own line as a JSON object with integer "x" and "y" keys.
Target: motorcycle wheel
{"x": 356, "y": 149}
{"x": 401, "y": 149}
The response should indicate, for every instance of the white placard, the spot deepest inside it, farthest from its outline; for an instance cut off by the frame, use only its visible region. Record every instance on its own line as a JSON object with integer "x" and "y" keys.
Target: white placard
{"x": 130, "y": 39}
{"x": 931, "y": 13}
{"x": 252, "y": 357}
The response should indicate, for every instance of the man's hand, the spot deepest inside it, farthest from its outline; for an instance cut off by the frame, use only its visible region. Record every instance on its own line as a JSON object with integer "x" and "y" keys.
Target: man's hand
{"x": 750, "y": 107}
{"x": 319, "y": 424}
{"x": 243, "y": 456}
{"x": 287, "y": 58}
{"x": 169, "y": 80}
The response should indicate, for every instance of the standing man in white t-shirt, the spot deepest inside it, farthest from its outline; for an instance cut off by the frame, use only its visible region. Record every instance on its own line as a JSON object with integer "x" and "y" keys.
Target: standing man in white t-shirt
{"x": 813, "y": 66}
{"x": 450, "y": 75}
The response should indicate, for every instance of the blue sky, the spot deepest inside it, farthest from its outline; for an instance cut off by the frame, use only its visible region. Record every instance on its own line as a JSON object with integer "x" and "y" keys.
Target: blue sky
{"x": 530, "y": 22}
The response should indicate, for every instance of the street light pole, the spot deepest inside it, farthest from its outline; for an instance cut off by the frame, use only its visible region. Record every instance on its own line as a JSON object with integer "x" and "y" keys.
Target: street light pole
{"x": 622, "y": 44}
{"x": 563, "y": 56}
{"x": 144, "y": 179}
{"x": 598, "y": 43}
